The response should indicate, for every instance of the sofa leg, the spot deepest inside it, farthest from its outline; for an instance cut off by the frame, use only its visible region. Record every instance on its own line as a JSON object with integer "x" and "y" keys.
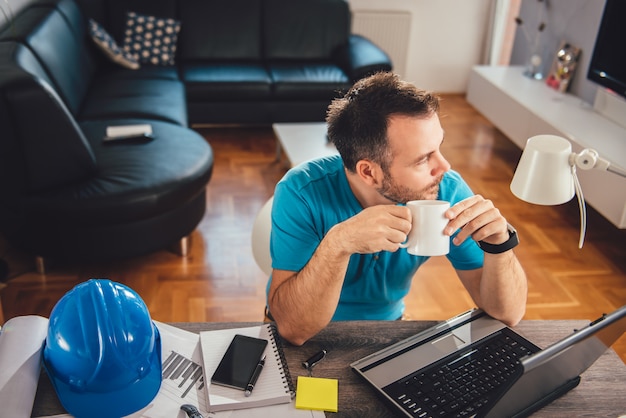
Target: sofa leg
{"x": 181, "y": 248}
{"x": 40, "y": 265}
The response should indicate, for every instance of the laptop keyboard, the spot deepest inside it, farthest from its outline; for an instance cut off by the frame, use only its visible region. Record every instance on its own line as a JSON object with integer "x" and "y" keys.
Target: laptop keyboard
{"x": 464, "y": 383}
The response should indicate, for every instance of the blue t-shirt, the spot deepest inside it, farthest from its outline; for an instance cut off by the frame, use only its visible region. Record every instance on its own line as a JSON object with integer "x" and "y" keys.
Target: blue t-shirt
{"x": 312, "y": 198}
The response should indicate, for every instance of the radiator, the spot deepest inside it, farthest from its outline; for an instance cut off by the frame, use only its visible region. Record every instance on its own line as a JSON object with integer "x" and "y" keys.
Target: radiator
{"x": 390, "y": 30}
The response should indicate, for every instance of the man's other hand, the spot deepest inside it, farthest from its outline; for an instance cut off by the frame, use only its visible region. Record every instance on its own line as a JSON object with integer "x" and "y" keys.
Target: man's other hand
{"x": 377, "y": 228}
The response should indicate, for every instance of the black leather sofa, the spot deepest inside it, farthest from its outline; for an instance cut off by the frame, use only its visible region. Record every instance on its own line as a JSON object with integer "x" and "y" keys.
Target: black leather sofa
{"x": 257, "y": 61}
{"x": 64, "y": 194}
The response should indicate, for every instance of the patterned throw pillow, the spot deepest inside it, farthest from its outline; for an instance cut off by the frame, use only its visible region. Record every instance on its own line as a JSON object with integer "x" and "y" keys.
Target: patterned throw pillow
{"x": 107, "y": 44}
{"x": 150, "y": 39}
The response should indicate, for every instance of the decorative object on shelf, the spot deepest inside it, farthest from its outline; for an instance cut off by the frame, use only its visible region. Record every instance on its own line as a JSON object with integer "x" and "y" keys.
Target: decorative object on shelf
{"x": 546, "y": 174}
{"x": 534, "y": 69}
{"x": 563, "y": 67}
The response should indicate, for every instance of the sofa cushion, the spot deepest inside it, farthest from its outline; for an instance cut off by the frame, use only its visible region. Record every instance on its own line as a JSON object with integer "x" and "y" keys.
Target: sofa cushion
{"x": 308, "y": 81}
{"x": 142, "y": 73}
{"x": 91, "y": 56}
{"x": 14, "y": 55}
{"x": 111, "y": 49}
{"x": 224, "y": 81}
{"x": 136, "y": 98}
{"x": 360, "y": 58}
{"x": 151, "y": 39}
{"x": 221, "y": 30}
{"x": 63, "y": 56}
{"x": 40, "y": 152}
{"x": 304, "y": 29}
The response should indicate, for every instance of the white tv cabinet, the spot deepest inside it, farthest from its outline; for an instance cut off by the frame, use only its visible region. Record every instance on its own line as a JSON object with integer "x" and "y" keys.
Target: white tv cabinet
{"x": 522, "y": 107}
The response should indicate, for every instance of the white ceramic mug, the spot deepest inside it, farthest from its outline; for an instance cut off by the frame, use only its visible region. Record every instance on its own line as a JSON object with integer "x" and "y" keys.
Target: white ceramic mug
{"x": 426, "y": 236}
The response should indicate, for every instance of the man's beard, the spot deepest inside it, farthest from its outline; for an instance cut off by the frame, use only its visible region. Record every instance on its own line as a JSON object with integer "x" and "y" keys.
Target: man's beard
{"x": 402, "y": 194}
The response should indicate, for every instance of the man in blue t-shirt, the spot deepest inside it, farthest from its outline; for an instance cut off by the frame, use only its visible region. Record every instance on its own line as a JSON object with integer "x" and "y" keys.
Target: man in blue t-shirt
{"x": 338, "y": 222}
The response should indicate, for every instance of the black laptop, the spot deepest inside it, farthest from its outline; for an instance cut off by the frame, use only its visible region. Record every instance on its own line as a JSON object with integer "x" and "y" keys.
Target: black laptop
{"x": 475, "y": 366}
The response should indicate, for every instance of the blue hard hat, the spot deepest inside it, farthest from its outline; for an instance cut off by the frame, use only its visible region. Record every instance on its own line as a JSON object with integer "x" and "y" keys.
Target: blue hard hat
{"x": 102, "y": 352}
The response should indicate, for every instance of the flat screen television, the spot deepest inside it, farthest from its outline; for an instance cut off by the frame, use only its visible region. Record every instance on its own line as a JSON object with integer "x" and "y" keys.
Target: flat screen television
{"x": 608, "y": 62}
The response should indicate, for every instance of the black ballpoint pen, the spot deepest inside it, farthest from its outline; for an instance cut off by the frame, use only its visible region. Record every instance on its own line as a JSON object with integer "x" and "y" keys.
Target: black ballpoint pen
{"x": 255, "y": 376}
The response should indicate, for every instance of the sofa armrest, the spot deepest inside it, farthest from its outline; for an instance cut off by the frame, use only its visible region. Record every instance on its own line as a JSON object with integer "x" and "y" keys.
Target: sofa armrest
{"x": 52, "y": 146}
{"x": 360, "y": 57}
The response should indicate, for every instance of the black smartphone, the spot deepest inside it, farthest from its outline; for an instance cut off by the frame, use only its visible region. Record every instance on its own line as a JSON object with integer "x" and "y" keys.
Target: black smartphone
{"x": 239, "y": 361}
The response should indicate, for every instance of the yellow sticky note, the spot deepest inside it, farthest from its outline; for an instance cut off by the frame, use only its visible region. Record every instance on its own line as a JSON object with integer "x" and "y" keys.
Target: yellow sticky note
{"x": 317, "y": 393}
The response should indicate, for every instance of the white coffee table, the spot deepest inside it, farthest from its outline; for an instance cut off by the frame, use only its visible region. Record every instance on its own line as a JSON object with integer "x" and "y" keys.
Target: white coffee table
{"x": 302, "y": 141}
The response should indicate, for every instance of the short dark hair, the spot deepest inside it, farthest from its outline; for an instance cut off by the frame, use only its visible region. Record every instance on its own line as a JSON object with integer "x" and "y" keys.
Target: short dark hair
{"x": 357, "y": 122}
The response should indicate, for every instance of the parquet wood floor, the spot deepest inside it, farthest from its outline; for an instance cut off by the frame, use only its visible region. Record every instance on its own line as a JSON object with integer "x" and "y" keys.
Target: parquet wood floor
{"x": 219, "y": 280}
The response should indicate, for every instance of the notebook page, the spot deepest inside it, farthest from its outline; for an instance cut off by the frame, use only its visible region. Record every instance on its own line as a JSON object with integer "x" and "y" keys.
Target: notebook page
{"x": 272, "y": 386}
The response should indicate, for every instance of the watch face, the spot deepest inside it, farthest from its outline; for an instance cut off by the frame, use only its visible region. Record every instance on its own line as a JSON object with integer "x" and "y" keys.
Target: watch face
{"x": 511, "y": 229}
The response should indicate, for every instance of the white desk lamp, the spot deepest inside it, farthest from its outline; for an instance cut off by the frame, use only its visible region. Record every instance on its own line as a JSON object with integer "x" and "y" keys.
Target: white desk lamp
{"x": 546, "y": 174}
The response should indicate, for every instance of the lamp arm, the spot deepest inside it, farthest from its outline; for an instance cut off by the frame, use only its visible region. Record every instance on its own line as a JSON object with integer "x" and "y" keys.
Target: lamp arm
{"x": 589, "y": 158}
{"x": 616, "y": 170}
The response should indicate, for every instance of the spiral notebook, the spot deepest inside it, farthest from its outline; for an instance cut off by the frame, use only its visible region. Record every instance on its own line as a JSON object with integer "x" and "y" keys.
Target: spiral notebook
{"x": 274, "y": 385}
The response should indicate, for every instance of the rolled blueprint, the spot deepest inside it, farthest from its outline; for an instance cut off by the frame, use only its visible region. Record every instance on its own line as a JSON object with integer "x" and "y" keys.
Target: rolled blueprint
{"x": 21, "y": 343}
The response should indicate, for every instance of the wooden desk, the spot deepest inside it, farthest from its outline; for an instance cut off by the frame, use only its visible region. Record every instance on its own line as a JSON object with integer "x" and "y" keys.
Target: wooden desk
{"x": 601, "y": 393}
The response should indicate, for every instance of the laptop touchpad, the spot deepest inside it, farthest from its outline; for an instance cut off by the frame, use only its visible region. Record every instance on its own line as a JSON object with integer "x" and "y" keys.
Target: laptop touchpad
{"x": 448, "y": 343}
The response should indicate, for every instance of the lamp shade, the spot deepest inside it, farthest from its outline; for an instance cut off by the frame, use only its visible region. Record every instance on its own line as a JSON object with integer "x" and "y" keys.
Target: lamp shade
{"x": 544, "y": 174}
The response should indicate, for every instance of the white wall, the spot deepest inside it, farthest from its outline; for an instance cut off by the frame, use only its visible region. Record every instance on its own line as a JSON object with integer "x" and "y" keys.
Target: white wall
{"x": 447, "y": 39}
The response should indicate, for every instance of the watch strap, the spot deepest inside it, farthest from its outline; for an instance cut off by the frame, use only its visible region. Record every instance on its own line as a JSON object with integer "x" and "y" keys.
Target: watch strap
{"x": 512, "y": 242}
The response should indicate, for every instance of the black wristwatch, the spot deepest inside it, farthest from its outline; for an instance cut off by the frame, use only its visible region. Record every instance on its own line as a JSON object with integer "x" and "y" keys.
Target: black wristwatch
{"x": 505, "y": 246}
